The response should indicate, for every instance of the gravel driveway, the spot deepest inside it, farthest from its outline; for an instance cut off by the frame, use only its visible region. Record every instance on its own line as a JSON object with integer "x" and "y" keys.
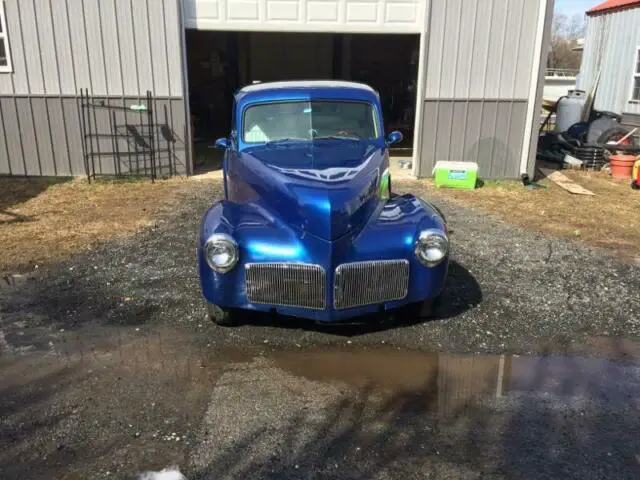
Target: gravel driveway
{"x": 107, "y": 358}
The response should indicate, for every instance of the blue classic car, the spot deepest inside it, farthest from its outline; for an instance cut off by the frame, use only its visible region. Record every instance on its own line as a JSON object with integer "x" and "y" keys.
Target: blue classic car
{"x": 309, "y": 226}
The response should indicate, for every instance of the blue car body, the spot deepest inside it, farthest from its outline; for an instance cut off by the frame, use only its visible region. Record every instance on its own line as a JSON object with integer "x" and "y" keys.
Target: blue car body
{"x": 318, "y": 203}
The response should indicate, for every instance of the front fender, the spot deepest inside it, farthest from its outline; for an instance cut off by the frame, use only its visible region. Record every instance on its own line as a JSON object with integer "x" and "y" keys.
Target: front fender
{"x": 261, "y": 237}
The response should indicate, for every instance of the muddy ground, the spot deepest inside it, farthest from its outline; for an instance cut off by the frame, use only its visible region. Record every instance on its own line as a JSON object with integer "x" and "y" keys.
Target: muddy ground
{"x": 109, "y": 368}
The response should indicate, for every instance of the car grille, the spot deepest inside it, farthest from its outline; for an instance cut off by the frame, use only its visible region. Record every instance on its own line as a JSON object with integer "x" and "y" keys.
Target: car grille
{"x": 363, "y": 283}
{"x": 286, "y": 284}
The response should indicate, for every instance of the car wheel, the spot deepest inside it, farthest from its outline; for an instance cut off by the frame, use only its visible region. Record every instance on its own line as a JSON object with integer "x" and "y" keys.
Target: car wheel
{"x": 225, "y": 317}
{"x": 417, "y": 312}
{"x": 635, "y": 185}
{"x": 613, "y": 135}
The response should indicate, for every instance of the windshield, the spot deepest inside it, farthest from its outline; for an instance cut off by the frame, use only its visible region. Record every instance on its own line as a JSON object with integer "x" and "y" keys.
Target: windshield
{"x": 310, "y": 120}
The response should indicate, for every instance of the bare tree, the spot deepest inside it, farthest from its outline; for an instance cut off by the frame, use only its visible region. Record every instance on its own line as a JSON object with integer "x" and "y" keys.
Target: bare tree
{"x": 565, "y": 33}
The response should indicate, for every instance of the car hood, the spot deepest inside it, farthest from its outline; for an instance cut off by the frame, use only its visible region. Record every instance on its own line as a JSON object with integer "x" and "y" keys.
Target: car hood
{"x": 326, "y": 190}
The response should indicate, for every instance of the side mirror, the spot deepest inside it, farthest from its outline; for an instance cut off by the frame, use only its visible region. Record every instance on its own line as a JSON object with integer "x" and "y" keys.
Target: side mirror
{"x": 222, "y": 143}
{"x": 394, "y": 137}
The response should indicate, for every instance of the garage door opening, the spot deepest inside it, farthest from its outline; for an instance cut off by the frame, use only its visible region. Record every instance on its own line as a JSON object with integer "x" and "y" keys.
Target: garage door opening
{"x": 220, "y": 62}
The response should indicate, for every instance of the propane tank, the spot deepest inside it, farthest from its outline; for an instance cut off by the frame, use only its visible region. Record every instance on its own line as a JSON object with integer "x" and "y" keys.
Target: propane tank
{"x": 569, "y": 110}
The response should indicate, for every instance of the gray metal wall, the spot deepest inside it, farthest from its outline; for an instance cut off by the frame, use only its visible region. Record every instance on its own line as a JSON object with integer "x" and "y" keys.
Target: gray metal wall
{"x": 118, "y": 49}
{"x": 480, "y": 54}
{"x": 631, "y": 120}
{"x": 610, "y": 45}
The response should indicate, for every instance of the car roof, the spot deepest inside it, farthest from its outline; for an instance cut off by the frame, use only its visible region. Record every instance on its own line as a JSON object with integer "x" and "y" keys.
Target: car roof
{"x": 300, "y": 89}
{"x": 305, "y": 84}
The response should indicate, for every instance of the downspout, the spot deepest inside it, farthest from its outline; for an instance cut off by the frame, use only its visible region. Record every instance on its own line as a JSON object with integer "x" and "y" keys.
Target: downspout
{"x": 420, "y": 86}
{"x": 185, "y": 90}
{"x": 534, "y": 84}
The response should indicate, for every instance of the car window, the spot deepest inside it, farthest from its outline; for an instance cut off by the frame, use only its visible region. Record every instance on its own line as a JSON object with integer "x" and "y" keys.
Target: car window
{"x": 307, "y": 121}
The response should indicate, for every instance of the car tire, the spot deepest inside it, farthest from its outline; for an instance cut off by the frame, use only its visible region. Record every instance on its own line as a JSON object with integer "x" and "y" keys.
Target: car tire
{"x": 635, "y": 185}
{"x": 417, "y": 312}
{"x": 225, "y": 317}
{"x": 612, "y": 134}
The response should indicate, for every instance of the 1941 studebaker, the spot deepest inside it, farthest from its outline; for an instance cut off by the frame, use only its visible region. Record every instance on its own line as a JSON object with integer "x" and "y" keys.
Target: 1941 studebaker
{"x": 308, "y": 226}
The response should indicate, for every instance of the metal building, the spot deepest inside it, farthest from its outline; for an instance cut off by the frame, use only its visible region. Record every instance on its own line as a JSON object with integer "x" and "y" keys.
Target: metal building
{"x": 611, "y": 58}
{"x": 461, "y": 77}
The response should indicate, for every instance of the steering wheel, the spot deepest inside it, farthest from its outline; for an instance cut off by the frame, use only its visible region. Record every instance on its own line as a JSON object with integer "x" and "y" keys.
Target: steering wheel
{"x": 347, "y": 133}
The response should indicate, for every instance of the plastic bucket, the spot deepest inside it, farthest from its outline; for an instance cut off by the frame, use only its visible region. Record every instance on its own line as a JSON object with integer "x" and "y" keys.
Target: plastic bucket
{"x": 621, "y": 166}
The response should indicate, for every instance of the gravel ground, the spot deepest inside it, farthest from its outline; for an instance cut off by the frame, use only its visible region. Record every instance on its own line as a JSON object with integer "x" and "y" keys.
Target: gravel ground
{"x": 70, "y": 390}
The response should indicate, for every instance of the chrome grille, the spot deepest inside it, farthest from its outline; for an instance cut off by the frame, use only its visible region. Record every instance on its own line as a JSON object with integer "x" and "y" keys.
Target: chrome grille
{"x": 363, "y": 283}
{"x": 286, "y": 284}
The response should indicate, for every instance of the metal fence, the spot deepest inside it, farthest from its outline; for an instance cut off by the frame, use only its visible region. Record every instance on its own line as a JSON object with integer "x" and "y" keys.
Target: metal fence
{"x": 137, "y": 138}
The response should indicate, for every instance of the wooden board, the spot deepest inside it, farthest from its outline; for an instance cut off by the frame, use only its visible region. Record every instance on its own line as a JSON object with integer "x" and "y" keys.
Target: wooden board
{"x": 565, "y": 182}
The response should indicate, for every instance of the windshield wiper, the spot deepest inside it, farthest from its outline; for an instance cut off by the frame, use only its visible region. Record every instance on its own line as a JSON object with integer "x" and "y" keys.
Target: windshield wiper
{"x": 278, "y": 141}
{"x": 337, "y": 137}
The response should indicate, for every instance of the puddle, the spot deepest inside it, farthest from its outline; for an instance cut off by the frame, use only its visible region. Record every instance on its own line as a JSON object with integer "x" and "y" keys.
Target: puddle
{"x": 146, "y": 399}
{"x": 8, "y": 282}
{"x": 445, "y": 381}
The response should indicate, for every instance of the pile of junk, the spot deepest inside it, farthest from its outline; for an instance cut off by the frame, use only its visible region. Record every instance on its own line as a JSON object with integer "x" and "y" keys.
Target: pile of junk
{"x": 588, "y": 139}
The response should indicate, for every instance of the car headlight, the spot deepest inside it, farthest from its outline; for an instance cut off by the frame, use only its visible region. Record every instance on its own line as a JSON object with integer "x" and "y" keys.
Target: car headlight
{"x": 432, "y": 247}
{"x": 221, "y": 252}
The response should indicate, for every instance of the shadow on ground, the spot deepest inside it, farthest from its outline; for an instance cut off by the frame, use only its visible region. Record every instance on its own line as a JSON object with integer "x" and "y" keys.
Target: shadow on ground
{"x": 467, "y": 416}
{"x": 112, "y": 411}
{"x": 15, "y": 190}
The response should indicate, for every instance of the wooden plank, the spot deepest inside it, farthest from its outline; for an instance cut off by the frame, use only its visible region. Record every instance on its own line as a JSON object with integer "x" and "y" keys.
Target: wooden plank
{"x": 565, "y": 182}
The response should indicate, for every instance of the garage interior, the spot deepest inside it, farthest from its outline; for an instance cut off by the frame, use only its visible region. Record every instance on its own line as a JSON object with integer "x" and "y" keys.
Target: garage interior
{"x": 220, "y": 62}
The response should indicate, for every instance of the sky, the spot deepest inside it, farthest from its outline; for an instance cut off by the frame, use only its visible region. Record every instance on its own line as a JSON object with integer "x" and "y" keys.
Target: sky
{"x": 571, "y": 7}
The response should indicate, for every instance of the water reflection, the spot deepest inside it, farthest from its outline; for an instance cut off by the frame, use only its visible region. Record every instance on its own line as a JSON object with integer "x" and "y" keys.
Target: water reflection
{"x": 448, "y": 382}
{"x": 125, "y": 400}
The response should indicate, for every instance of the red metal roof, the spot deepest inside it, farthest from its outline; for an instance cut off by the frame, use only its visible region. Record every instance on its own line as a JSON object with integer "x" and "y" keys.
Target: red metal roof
{"x": 613, "y": 5}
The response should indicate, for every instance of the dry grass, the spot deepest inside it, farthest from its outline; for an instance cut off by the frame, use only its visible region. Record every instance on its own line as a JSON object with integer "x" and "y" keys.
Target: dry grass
{"x": 609, "y": 220}
{"x": 46, "y": 220}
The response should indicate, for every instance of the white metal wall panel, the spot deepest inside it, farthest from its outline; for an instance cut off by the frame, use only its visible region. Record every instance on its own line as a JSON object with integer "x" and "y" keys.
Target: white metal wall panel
{"x": 47, "y": 47}
{"x": 93, "y": 31}
{"x": 115, "y": 48}
{"x": 373, "y": 16}
{"x": 525, "y": 52}
{"x": 128, "y": 58}
{"x": 111, "y": 47}
{"x": 478, "y": 81}
{"x": 63, "y": 49}
{"x": 30, "y": 44}
{"x": 157, "y": 41}
{"x": 79, "y": 52}
{"x": 173, "y": 46}
{"x": 142, "y": 44}
{"x": 610, "y": 45}
{"x": 480, "y": 48}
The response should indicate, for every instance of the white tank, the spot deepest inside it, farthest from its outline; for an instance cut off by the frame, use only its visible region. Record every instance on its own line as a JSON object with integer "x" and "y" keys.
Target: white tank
{"x": 569, "y": 111}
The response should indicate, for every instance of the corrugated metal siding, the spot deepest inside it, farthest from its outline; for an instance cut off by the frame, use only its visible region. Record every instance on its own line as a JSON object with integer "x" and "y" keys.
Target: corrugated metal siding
{"x": 630, "y": 119}
{"x": 610, "y": 44}
{"x": 42, "y": 136}
{"x": 483, "y": 131}
{"x": 478, "y": 74}
{"x": 112, "y": 47}
{"x": 480, "y": 48}
{"x": 115, "y": 48}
